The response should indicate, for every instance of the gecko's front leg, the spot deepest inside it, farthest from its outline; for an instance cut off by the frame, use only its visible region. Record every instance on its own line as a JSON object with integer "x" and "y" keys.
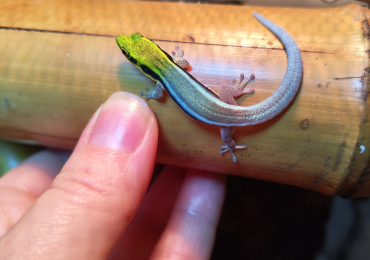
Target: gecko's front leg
{"x": 152, "y": 92}
{"x": 178, "y": 58}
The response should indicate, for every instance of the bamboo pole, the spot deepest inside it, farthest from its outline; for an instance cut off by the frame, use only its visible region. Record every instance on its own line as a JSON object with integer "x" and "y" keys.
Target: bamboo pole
{"x": 59, "y": 62}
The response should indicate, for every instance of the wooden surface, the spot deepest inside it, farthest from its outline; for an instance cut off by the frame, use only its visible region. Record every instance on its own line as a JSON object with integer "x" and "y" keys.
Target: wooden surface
{"x": 282, "y": 3}
{"x": 59, "y": 62}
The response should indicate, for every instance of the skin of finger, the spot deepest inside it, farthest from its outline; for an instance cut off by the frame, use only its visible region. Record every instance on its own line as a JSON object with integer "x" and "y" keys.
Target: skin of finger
{"x": 21, "y": 186}
{"x": 192, "y": 227}
{"x": 146, "y": 228}
{"x": 84, "y": 138}
{"x": 35, "y": 174}
{"x": 89, "y": 205}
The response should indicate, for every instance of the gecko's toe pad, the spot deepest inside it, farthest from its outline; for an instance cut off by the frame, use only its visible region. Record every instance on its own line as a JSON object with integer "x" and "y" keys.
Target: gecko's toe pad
{"x": 182, "y": 63}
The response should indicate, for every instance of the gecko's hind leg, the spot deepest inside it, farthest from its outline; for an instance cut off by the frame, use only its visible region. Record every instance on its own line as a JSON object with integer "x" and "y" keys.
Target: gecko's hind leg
{"x": 226, "y": 135}
{"x": 152, "y": 92}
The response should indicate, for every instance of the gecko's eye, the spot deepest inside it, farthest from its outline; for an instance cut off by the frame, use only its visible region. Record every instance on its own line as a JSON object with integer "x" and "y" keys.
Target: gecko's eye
{"x": 124, "y": 52}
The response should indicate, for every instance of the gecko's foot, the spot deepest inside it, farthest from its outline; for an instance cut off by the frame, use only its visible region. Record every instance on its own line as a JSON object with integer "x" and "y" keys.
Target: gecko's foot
{"x": 247, "y": 90}
{"x": 241, "y": 85}
{"x": 226, "y": 148}
{"x": 178, "y": 58}
{"x": 152, "y": 92}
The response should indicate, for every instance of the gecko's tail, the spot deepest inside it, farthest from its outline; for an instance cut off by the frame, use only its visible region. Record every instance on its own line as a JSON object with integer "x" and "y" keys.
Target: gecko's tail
{"x": 289, "y": 87}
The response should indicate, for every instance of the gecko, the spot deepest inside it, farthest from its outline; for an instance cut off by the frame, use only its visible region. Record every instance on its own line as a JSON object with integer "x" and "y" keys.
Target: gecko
{"x": 200, "y": 102}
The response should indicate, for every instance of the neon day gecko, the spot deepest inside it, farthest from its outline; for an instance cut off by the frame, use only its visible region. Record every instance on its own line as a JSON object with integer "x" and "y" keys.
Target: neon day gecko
{"x": 201, "y": 103}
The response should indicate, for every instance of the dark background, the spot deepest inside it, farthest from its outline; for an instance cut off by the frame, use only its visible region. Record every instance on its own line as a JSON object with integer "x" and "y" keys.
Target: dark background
{"x": 264, "y": 220}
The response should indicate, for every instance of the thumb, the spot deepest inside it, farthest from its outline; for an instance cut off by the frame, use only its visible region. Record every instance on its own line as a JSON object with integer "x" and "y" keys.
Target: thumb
{"x": 97, "y": 193}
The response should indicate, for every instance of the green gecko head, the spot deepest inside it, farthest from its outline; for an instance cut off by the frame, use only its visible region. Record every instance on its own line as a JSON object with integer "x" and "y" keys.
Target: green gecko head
{"x": 144, "y": 54}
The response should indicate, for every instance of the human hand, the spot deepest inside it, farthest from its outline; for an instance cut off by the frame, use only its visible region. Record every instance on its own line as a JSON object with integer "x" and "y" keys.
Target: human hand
{"x": 98, "y": 206}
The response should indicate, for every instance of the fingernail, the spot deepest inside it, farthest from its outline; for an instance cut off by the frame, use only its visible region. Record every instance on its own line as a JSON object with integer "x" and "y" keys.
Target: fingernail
{"x": 121, "y": 123}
